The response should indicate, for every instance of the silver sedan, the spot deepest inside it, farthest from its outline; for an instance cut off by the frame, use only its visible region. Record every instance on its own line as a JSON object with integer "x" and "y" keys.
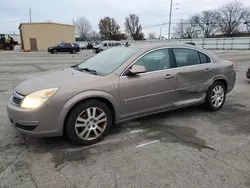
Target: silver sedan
{"x": 86, "y": 100}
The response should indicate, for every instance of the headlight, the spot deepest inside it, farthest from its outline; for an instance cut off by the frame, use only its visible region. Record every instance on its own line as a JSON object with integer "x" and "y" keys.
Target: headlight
{"x": 37, "y": 98}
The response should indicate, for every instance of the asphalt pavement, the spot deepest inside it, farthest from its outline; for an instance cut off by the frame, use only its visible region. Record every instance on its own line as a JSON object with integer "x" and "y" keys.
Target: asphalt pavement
{"x": 187, "y": 148}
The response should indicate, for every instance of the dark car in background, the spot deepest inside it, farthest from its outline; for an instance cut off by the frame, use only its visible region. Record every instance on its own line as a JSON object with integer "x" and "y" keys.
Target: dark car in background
{"x": 248, "y": 73}
{"x": 64, "y": 47}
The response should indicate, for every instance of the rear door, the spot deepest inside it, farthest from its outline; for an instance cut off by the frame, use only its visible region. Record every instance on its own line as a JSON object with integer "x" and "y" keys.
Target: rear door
{"x": 151, "y": 91}
{"x": 194, "y": 72}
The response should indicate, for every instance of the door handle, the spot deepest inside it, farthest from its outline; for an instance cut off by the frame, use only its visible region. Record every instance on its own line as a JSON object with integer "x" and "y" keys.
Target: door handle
{"x": 168, "y": 76}
{"x": 207, "y": 70}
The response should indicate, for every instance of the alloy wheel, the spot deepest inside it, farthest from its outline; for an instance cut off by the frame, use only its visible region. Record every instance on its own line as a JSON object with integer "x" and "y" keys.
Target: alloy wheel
{"x": 217, "y": 96}
{"x": 91, "y": 123}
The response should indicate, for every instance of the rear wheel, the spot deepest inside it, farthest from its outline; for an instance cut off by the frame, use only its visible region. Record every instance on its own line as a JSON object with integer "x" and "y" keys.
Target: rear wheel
{"x": 216, "y": 96}
{"x": 89, "y": 122}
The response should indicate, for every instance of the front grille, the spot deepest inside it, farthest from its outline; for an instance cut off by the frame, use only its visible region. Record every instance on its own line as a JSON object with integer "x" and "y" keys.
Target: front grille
{"x": 17, "y": 98}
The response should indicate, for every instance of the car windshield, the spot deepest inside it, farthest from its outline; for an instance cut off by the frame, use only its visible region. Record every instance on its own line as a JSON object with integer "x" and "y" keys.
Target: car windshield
{"x": 109, "y": 60}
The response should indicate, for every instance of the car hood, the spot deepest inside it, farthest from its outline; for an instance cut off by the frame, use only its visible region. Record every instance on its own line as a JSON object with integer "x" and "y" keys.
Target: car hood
{"x": 55, "y": 79}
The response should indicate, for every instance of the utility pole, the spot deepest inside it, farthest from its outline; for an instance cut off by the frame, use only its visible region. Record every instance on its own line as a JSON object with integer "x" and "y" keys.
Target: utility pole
{"x": 170, "y": 19}
{"x": 30, "y": 14}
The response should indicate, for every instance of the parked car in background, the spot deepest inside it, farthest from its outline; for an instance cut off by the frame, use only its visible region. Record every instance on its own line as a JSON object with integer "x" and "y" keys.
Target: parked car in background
{"x": 106, "y": 45}
{"x": 123, "y": 83}
{"x": 191, "y": 43}
{"x": 90, "y": 46}
{"x": 82, "y": 45}
{"x": 248, "y": 73}
{"x": 64, "y": 47}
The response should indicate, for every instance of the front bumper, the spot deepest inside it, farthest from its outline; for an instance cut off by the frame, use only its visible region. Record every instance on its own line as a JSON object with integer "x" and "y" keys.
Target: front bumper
{"x": 43, "y": 122}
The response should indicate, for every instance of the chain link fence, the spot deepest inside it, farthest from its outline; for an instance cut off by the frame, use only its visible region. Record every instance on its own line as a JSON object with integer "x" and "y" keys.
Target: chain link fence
{"x": 233, "y": 43}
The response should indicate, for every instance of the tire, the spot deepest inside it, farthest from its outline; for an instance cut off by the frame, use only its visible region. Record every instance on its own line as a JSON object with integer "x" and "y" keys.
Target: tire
{"x": 80, "y": 123}
{"x": 74, "y": 51}
{"x": 212, "y": 97}
{"x": 54, "y": 52}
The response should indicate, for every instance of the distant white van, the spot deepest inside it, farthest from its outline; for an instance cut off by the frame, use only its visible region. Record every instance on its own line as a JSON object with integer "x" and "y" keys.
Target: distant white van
{"x": 104, "y": 45}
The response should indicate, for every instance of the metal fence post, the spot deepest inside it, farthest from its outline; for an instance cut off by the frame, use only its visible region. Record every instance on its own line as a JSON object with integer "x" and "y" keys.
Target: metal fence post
{"x": 203, "y": 43}
{"x": 216, "y": 44}
{"x": 249, "y": 45}
{"x": 232, "y": 43}
{"x": 224, "y": 44}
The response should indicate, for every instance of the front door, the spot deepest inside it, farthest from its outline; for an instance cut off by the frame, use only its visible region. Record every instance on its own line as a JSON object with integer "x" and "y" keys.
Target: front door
{"x": 33, "y": 44}
{"x": 151, "y": 91}
{"x": 194, "y": 73}
{"x": 63, "y": 47}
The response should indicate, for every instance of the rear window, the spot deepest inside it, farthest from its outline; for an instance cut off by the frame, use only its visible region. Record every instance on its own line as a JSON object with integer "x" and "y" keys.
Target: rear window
{"x": 67, "y": 45}
{"x": 204, "y": 58}
{"x": 186, "y": 57}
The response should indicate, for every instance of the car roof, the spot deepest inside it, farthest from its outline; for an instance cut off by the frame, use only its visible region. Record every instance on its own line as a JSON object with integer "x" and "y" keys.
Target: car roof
{"x": 150, "y": 46}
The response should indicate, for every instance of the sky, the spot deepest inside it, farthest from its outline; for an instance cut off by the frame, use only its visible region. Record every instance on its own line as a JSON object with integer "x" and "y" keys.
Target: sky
{"x": 151, "y": 12}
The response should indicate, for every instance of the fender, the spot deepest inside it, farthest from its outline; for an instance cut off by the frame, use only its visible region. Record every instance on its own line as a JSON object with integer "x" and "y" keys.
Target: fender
{"x": 218, "y": 77}
{"x": 86, "y": 95}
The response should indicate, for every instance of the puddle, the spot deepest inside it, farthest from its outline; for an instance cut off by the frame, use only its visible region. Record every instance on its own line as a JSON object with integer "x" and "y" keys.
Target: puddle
{"x": 176, "y": 134}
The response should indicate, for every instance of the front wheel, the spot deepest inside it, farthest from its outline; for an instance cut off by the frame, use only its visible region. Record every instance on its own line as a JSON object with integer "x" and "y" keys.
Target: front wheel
{"x": 216, "y": 96}
{"x": 89, "y": 122}
{"x": 54, "y": 52}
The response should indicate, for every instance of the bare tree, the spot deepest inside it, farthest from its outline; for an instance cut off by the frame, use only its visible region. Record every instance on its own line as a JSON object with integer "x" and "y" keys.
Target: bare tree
{"x": 231, "y": 16}
{"x": 207, "y": 22}
{"x": 186, "y": 29}
{"x": 94, "y": 36}
{"x": 110, "y": 30}
{"x": 151, "y": 35}
{"x": 133, "y": 27}
{"x": 247, "y": 20}
{"x": 83, "y": 28}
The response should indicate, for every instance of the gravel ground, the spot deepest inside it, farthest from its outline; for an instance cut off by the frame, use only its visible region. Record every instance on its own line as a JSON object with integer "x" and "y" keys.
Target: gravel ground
{"x": 184, "y": 148}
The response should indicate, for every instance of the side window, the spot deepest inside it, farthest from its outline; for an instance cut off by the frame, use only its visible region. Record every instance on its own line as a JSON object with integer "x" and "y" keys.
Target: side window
{"x": 156, "y": 60}
{"x": 117, "y": 44}
{"x": 110, "y": 44}
{"x": 186, "y": 57}
{"x": 61, "y": 45}
{"x": 204, "y": 58}
{"x": 105, "y": 44}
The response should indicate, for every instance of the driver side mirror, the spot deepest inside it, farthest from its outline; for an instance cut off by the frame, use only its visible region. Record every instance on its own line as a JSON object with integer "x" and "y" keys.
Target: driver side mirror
{"x": 137, "y": 69}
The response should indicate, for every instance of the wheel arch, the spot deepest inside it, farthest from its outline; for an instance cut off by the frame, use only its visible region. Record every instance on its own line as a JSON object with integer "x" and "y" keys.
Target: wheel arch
{"x": 103, "y": 97}
{"x": 220, "y": 78}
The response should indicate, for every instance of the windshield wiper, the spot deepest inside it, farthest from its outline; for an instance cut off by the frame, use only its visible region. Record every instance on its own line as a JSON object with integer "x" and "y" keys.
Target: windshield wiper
{"x": 89, "y": 70}
{"x": 85, "y": 69}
